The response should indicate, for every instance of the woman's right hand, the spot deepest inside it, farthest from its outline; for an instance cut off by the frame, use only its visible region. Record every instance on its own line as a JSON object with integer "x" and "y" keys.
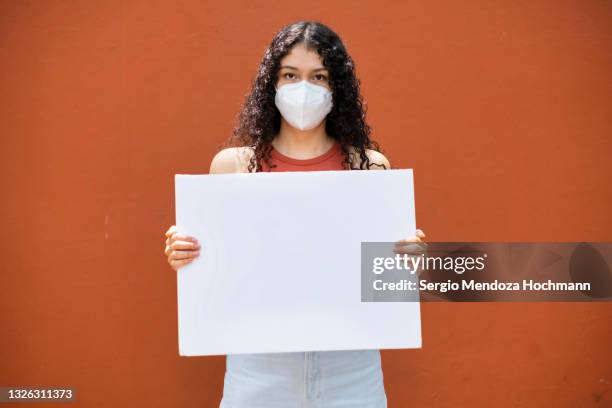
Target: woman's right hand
{"x": 180, "y": 249}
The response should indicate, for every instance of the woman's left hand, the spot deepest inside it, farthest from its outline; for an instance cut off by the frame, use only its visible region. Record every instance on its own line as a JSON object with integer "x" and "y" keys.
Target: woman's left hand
{"x": 414, "y": 245}
{"x": 411, "y": 245}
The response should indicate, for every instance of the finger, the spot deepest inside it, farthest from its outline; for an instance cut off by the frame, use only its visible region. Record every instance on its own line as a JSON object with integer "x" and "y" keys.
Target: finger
{"x": 420, "y": 233}
{"x": 176, "y": 255}
{"x": 177, "y": 264}
{"x": 181, "y": 245}
{"x": 407, "y": 241}
{"x": 182, "y": 237}
{"x": 184, "y": 245}
{"x": 171, "y": 230}
{"x": 413, "y": 248}
{"x": 409, "y": 251}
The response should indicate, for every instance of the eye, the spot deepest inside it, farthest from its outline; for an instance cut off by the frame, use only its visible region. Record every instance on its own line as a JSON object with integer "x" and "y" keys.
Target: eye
{"x": 288, "y": 73}
{"x": 323, "y": 77}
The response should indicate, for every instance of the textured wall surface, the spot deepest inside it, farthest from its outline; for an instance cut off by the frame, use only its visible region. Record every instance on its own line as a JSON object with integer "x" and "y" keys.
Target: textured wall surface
{"x": 501, "y": 108}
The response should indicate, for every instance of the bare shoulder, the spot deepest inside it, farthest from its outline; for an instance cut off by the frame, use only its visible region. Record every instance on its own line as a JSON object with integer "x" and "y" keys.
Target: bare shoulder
{"x": 231, "y": 160}
{"x": 377, "y": 159}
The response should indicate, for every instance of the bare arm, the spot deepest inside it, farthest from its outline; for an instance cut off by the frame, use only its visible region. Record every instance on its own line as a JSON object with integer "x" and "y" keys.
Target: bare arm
{"x": 231, "y": 160}
{"x": 378, "y": 158}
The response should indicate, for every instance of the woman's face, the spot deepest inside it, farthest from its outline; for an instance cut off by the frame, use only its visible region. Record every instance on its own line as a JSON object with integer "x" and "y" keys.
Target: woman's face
{"x": 301, "y": 64}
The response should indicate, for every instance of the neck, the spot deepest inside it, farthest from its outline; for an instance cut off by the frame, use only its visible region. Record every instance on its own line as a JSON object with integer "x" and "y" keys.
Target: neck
{"x": 302, "y": 144}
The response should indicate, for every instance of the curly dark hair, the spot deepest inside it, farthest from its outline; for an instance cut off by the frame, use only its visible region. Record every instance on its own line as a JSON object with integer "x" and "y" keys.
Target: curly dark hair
{"x": 259, "y": 119}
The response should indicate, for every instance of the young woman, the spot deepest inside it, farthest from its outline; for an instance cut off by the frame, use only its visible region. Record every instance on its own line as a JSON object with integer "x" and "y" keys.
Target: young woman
{"x": 304, "y": 113}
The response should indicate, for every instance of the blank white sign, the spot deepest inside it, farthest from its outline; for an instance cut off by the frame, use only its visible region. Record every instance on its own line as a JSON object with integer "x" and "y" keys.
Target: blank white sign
{"x": 279, "y": 269}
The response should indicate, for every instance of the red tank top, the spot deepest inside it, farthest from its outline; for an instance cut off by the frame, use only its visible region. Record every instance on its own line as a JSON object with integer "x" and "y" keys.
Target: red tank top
{"x": 330, "y": 160}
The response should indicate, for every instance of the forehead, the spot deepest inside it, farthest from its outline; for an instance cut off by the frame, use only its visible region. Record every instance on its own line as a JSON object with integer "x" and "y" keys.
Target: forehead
{"x": 302, "y": 58}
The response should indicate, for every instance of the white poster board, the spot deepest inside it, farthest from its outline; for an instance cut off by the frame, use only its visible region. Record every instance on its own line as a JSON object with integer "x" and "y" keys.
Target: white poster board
{"x": 279, "y": 269}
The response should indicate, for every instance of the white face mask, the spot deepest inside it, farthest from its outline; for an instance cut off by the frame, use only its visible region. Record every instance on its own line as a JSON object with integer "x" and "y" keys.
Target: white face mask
{"x": 302, "y": 104}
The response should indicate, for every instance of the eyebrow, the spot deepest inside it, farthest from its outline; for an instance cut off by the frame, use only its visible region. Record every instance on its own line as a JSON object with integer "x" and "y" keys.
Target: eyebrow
{"x": 314, "y": 70}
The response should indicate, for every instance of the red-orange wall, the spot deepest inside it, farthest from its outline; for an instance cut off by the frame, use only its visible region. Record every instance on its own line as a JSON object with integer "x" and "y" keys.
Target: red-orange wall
{"x": 503, "y": 109}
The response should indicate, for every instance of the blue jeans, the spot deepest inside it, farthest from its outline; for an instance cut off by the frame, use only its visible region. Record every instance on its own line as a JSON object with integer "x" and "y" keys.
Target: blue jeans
{"x": 321, "y": 379}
